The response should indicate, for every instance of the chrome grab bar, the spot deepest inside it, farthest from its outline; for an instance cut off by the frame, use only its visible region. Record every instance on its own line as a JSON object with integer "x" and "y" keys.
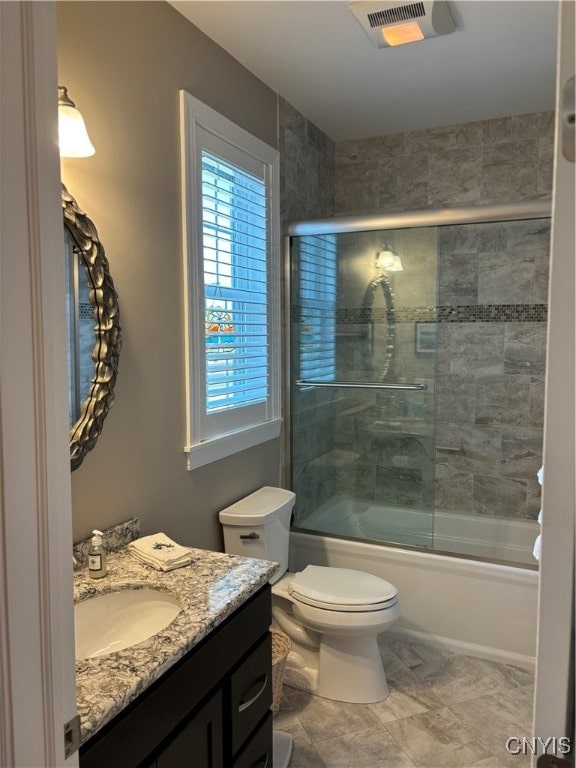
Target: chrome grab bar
{"x": 358, "y": 385}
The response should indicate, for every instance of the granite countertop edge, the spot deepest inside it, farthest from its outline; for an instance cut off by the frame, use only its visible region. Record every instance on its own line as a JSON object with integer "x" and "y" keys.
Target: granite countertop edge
{"x": 210, "y": 589}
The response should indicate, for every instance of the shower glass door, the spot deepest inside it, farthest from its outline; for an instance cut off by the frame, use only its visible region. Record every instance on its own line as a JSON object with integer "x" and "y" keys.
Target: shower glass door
{"x": 363, "y": 355}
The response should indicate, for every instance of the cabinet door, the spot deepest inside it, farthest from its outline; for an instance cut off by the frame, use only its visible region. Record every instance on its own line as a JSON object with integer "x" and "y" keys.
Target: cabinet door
{"x": 199, "y": 742}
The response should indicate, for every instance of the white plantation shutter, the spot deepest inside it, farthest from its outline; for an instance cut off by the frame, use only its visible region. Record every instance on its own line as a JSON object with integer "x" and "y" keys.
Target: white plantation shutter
{"x": 235, "y": 285}
{"x": 232, "y": 265}
{"x": 318, "y": 307}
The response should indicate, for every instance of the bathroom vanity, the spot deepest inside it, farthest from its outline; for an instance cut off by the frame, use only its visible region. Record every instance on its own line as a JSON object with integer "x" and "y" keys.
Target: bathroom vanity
{"x": 198, "y": 693}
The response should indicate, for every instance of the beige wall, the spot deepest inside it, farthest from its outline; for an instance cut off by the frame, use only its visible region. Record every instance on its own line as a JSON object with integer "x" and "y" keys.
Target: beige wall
{"x": 123, "y": 64}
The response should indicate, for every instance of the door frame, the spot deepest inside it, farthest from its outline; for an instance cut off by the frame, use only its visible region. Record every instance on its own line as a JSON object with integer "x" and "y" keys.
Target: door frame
{"x": 37, "y": 666}
{"x": 555, "y": 649}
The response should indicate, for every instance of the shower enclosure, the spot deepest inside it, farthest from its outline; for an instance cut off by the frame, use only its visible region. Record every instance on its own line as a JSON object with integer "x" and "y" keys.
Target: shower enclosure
{"x": 417, "y": 353}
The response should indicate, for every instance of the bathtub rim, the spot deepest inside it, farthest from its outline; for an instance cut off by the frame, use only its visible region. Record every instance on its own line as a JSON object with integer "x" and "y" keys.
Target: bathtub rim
{"x": 435, "y": 553}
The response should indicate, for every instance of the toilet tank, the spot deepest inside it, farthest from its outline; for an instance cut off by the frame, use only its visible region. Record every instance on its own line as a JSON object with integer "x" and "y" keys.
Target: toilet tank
{"x": 259, "y": 526}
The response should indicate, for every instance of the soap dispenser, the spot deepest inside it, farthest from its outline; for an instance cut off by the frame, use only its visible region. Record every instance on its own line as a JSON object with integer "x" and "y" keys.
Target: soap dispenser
{"x": 97, "y": 556}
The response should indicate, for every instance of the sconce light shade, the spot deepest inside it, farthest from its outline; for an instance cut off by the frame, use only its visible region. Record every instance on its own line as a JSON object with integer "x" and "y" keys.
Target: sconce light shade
{"x": 73, "y": 137}
{"x": 388, "y": 260}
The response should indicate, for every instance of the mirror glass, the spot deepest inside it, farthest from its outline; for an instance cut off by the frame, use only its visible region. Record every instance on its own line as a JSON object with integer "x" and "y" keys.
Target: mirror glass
{"x": 80, "y": 329}
{"x": 94, "y": 337}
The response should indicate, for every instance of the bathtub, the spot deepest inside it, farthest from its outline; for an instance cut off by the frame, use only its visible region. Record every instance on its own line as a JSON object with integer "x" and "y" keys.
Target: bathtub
{"x": 466, "y": 606}
{"x": 485, "y": 536}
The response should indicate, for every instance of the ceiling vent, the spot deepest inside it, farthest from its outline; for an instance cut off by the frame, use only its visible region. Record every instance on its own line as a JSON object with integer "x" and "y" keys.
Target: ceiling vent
{"x": 396, "y": 23}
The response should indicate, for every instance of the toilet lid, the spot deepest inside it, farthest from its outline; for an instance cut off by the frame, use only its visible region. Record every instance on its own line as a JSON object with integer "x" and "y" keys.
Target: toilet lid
{"x": 342, "y": 588}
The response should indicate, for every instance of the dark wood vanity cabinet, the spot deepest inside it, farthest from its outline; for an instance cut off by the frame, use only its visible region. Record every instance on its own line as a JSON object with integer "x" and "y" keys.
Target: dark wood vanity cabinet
{"x": 211, "y": 710}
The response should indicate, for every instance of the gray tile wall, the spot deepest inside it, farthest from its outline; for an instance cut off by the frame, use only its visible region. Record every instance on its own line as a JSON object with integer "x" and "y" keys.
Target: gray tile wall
{"x": 490, "y": 375}
{"x": 491, "y": 161}
{"x": 307, "y": 168}
{"x": 492, "y": 293}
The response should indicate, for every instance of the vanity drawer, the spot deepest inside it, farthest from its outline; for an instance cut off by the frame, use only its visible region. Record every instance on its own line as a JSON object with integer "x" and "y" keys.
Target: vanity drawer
{"x": 257, "y": 753}
{"x": 251, "y": 691}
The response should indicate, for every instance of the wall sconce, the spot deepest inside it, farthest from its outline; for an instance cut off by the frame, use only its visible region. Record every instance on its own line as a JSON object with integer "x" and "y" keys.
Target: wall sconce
{"x": 387, "y": 260}
{"x": 73, "y": 137}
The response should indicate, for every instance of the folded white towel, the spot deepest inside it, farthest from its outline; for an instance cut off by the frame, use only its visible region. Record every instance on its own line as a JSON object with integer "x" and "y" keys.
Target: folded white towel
{"x": 159, "y": 564}
{"x": 160, "y": 552}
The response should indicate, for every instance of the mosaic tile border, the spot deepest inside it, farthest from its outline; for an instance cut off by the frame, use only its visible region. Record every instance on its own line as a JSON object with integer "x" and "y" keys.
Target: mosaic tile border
{"x": 485, "y": 313}
{"x": 494, "y": 313}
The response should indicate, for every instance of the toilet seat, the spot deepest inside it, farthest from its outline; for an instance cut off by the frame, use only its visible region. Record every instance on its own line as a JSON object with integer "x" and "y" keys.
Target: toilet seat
{"x": 342, "y": 589}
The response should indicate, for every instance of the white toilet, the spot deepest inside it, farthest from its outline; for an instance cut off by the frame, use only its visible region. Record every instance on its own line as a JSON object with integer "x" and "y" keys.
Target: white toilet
{"x": 332, "y": 615}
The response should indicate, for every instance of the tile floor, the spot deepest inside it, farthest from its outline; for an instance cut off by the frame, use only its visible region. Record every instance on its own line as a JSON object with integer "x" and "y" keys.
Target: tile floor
{"x": 444, "y": 711}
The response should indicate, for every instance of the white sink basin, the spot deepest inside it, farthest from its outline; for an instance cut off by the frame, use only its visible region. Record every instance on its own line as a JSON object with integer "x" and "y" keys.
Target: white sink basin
{"x": 116, "y": 620}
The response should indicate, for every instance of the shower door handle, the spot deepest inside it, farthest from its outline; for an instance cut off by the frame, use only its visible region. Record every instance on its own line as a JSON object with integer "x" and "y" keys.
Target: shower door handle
{"x": 359, "y": 385}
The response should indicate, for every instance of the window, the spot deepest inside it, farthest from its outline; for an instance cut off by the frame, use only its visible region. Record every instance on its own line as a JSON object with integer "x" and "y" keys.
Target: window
{"x": 231, "y": 262}
{"x": 318, "y": 307}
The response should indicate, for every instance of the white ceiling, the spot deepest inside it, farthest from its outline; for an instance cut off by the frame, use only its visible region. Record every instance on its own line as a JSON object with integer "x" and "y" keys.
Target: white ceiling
{"x": 500, "y": 61}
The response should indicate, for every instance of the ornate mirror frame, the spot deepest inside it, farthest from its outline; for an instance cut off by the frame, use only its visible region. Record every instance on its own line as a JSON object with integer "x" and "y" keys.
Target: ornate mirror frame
{"x": 107, "y": 332}
{"x": 386, "y": 364}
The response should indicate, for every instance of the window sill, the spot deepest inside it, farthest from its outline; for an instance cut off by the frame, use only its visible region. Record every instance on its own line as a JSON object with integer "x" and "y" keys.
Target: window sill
{"x": 218, "y": 448}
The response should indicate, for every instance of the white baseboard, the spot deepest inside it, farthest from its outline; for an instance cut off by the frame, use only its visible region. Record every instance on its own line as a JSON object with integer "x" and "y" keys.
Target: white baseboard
{"x": 464, "y": 648}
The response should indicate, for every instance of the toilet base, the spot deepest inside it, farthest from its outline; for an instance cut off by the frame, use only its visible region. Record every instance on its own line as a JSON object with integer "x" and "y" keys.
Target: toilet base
{"x": 344, "y": 671}
{"x": 298, "y": 675}
{"x": 351, "y": 669}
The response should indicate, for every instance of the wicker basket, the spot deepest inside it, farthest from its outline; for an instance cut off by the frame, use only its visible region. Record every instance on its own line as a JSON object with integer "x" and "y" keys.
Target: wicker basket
{"x": 281, "y": 646}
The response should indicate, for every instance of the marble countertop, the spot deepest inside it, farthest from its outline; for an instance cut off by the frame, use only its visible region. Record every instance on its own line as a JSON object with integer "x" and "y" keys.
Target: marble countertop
{"x": 210, "y": 589}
